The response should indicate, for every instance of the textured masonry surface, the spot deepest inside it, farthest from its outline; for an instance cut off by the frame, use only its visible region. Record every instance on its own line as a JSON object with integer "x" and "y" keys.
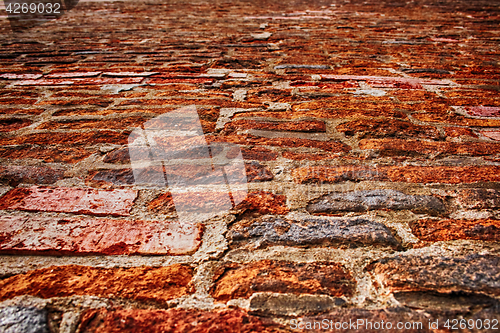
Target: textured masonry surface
{"x": 370, "y": 137}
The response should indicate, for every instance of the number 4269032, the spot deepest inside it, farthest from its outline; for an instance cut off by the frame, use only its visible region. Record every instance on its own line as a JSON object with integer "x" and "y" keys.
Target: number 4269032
{"x": 33, "y": 8}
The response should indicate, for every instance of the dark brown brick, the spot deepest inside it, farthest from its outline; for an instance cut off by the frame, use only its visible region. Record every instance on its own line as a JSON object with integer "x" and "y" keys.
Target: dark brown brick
{"x": 471, "y": 273}
{"x": 13, "y": 124}
{"x": 14, "y": 175}
{"x": 297, "y": 126}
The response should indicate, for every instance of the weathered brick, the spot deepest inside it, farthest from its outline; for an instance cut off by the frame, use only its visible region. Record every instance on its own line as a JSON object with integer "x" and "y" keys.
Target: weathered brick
{"x": 388, "y": 147}
{"x": 298, "y": 126}
{"x": 480, "y": 198}
{"x": 292, "y": 305}
{"x": 49, "y": 236}
{"x": 13, "y": 76}
{"x": 82, "y": 81}
{"x": 94, "y": 137}
{"x": 443, "y": 230}
{"x": 175, "y": 321}
{"x": 62, "y": 75}
{"x": 495, "y": 135}
{"x": 13, "y": 124}
{"x": 140, "y": 283}
{"x": 456, "y": 119}
{"x": 260, "y": 203}
{"x": 354, "y": 111}
{"x": 361, "y": 201}
{"x": 257, "y": 172}
{"x": 341, "y": 232}
{"x": 375, "y": 128}
{"x": 241, "y": 281}
{"x": 411, "y": 174}
{"x": 70, "y": 200}
{"x": 332, "y": 146}
{"x": 48, "y": 154}
{"x": 15, "y": 175}
{"x": 484, "y": 111}
{"x": 117, "y": 123}
{"x": 455, "y": 132}
{"x": 471, "y": 273}
{"x": 258, "y": 153}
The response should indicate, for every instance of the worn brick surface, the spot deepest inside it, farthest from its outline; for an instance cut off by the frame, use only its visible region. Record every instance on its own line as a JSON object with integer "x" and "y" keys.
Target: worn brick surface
{"x": 325, "y": 278}
{"x": 175, "y": 321}
{"x": 96, "y": 236}
{"x": 368, "y": 132}
{"x": 311, "y": 232}
{"x": 141, "y": 283}
{"x": 70, "y": 200}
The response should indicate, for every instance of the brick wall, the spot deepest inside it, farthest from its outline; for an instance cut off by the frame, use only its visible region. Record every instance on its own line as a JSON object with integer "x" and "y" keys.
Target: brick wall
{"x": 370, "y": 137}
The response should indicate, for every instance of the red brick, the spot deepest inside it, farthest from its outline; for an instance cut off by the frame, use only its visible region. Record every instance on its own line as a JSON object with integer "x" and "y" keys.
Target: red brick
{"x": 11, "y": 76}
{"x": 83, "y": 81}
{"x": 398, "y": 147}
{"x": 297, "y": 126}
{"x": 13, "y": 124}
{"x": 375, "y": 128}
{"x": 455, "y": 132}
{"x": 354, "y": 111}
{"x": 261, "y": 203}
{"x": 495, "y": 135}
{"x": 70, "y": 200}
{"x": 257, "y": 172}
{"x": 116, "y": 123}
{"x": 259, "y": 153}
{"x": 140, "y": 283}
{"x": 175, "y": 321}
{"x": 63, "y": 236}
{"x": 241, "y": 281}
{"x": 103, "y": 136}
{"x": 410, "y": 174}
{"x": 456, "y": 119}
{"x": 71, "y": 75}
{"x": 47, "y": 154}
{"x": 79, "y": 102}
{"x": 444, "y": 230}
{"x": 20, "y": 101}
{"x": 484, "y": 111}
{"x": 332, "y": 146}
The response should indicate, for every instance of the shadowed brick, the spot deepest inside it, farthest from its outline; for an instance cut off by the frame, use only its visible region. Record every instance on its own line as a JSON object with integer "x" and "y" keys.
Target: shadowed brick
{"x": 14, "y": 175}
{"x": 257, "y": 172}
{"x": 259, "y": 153}
{"x": 478, "y": 199}
{"x": 472, "y": 273}
{"x": 70, "y": 200}
{"x": 140, "y": 283}
{"x": 175, "y": 321}
{"x": 361, "y": 201}
{"x": 241, "y": 281}
{"x": 96, "y": 236}
{"x": 341, "y": 232}
{"x": 443, "y": 230}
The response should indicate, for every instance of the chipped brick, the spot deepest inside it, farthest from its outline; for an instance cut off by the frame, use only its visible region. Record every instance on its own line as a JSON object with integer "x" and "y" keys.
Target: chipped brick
{"x": 62, "y": 236}
{"x": 471, "y": 273}
{"x": 70, "y": 200}
{"x": 374, "y": 128}
{"x": 140, "y": 283}
{"x": 14, "y": 175}
{"x": 322, "y": 278}
{"x": 345, "y": 232}
{"x": 257, "y": 172}
{"x": 298, "y": 126}
{"x": 361, "y": 201}
{"x": 444, "y": 230}
{"x": 389, "y": 147}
